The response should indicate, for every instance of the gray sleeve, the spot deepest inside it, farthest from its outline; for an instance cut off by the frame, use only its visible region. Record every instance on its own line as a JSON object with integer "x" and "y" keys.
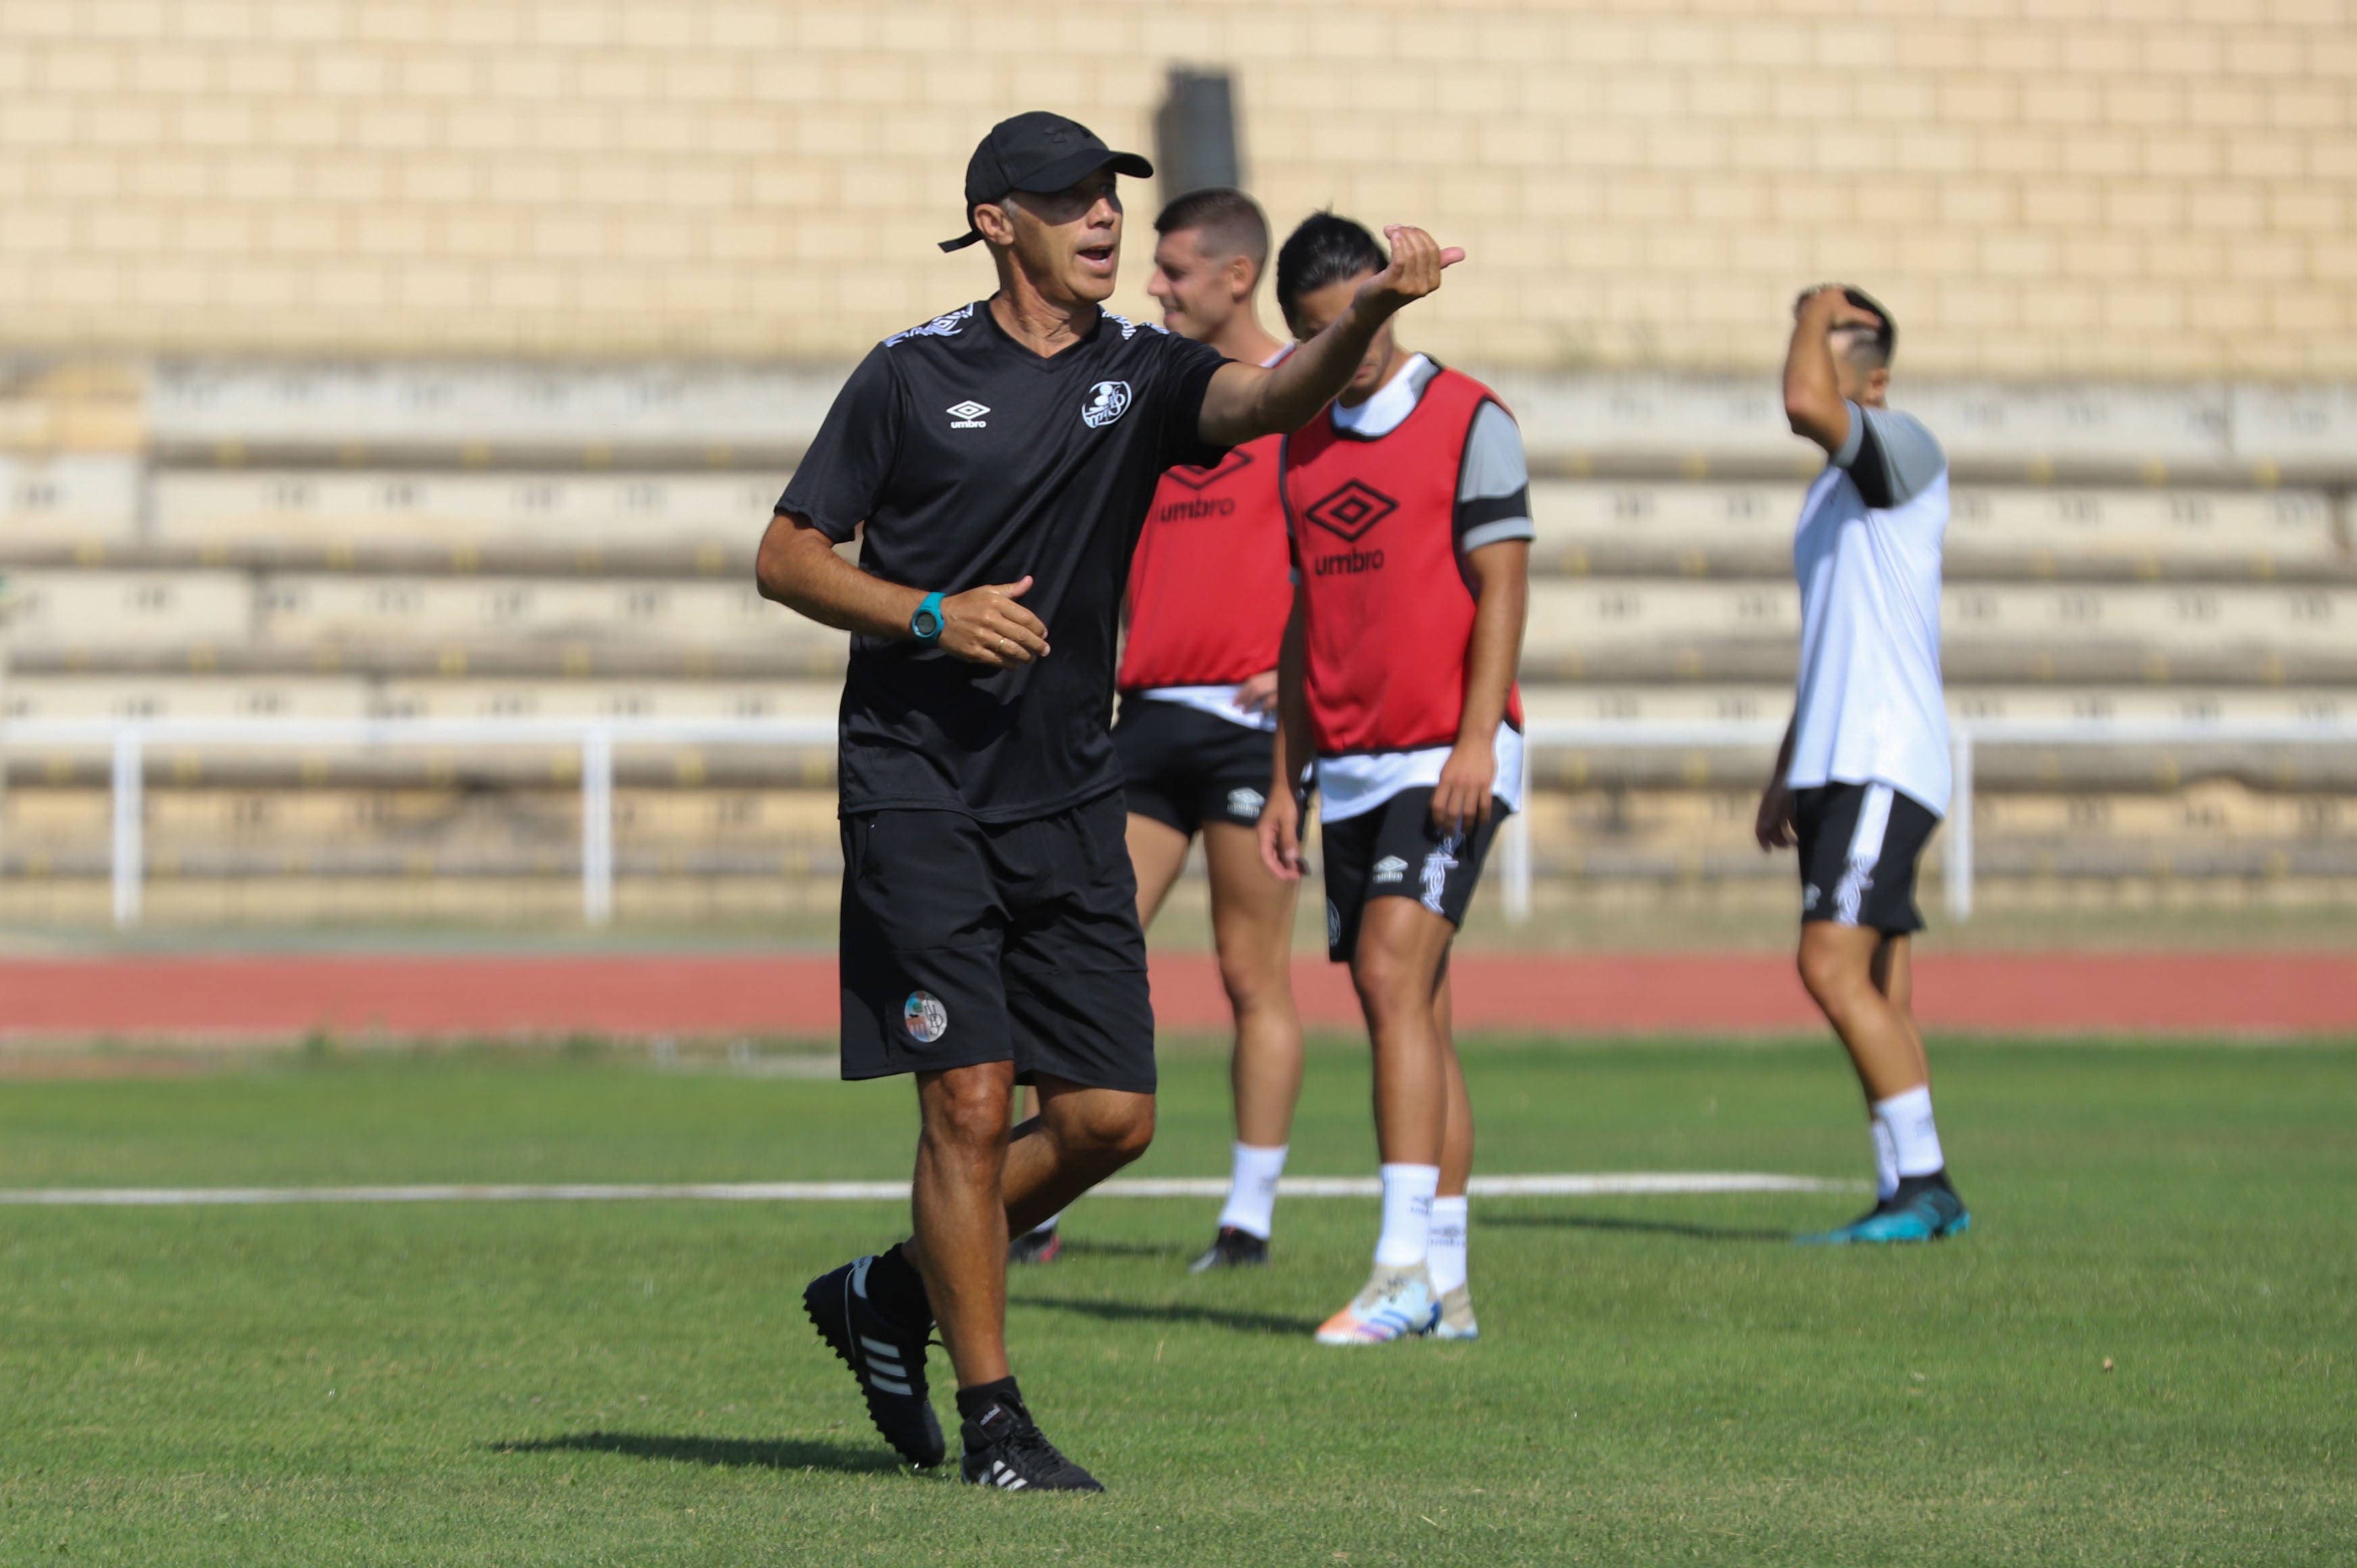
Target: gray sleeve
{"x": 1493, "y": 485}
{"x": 1891, "y": 455}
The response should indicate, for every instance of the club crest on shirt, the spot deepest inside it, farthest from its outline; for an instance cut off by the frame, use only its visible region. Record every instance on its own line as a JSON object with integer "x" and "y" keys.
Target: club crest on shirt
{"x": 1108, "y": 401}
{"x": 927, "y": 1019}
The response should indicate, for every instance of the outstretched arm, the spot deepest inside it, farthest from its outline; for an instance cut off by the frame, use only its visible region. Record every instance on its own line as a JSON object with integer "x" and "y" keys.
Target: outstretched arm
{"x": 798, "y": 567}
{"x": 1245, "y": 402}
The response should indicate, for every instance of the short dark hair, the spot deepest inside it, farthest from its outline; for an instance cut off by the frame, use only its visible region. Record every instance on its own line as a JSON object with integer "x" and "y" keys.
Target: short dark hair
{"x": 1327, "y": 249}
{"x": 1231, "y": 223}
{"x": 1886, "y": 337}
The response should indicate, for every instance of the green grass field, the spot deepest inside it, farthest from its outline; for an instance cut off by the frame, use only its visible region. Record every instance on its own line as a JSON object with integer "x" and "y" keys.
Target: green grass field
{"x": 1661, "y": 1379}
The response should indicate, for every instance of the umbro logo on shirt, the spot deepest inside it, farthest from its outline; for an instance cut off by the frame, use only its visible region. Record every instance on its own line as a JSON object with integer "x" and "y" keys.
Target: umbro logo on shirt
{"x": 967, "y": 416}
{"x": 1391, "y": 868}
{"x": 1350, "y": 510}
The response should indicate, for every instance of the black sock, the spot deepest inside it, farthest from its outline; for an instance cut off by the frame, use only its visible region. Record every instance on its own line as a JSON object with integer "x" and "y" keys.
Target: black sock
{"x": 1910, "y": 1186}
{"x": 898, "y": 1291}
{"x": 973, "y": 1404}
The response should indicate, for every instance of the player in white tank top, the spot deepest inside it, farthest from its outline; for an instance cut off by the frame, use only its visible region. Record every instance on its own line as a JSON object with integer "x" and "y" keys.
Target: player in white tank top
{"x": 1862, "y": 776}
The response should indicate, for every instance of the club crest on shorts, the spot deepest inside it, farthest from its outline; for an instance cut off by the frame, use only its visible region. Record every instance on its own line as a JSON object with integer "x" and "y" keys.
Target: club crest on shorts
{"x": 927, "y": 1019}
{"x": 1108, "y": 401}
{"x": 1245, "y": 803}
{"x": 1333, "y": 924}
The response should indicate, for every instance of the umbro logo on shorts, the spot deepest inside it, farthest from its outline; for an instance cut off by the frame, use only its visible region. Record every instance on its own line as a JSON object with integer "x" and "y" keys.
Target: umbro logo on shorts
{"x": 967, "y": 416}
{"x": 1391, "y": 868}
{"x": 1108, "y": 401}
{"x": 1245, "y": 803}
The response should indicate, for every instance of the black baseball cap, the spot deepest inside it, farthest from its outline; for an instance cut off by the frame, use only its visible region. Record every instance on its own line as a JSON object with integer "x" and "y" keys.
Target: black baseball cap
{"x": 1037, "y": 152}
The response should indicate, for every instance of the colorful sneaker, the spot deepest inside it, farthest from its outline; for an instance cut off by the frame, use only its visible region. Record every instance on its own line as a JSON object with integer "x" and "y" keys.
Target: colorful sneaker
{"x": 1042, "y": 1246}
{"x": 1232, "y": 1248}
{"x": 1395, "y": 1304}
{"x": 1455, "y": 1320}
{"x": 889, "y": 1362}
{"x": 1007, "y": 1449}
{"x": 1928, "y": 1213}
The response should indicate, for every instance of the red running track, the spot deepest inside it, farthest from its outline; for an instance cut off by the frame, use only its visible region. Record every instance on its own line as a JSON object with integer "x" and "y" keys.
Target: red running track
{"x": 268, "y": 997}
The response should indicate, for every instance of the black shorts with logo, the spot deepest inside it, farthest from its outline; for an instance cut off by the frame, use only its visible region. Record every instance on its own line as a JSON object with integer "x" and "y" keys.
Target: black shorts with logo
{"x": 1183, "y": 767}
{"x": 1859, "y": 843}
{"x": 967, "y": 942}
{"x": 1394, "y": 851}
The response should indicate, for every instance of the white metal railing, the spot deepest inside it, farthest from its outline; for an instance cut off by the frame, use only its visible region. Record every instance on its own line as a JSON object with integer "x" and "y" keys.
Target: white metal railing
{"x": 128, "y": 740}
{"x": 1964, "y": 735}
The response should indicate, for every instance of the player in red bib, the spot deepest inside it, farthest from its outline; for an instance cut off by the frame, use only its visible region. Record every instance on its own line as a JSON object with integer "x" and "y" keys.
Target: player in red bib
{"x": 1408, "y": 501}
{"x": 1210, "y": 588}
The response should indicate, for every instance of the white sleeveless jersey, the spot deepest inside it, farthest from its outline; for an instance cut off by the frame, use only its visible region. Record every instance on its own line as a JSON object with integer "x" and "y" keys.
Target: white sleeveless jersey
{"x": 1870, "y": 707}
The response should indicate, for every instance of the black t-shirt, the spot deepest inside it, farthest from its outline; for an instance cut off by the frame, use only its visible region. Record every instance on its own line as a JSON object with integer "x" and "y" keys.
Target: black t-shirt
{"x": 974, "y": 460}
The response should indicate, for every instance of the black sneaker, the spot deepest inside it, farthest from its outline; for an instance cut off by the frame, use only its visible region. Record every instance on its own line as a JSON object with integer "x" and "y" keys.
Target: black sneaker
{"x": 1007, "y": 1450}
{"x": 889, "y": 1362}
{"x": 1232, "y": 1249}
{"x": 1035, "y": 1247}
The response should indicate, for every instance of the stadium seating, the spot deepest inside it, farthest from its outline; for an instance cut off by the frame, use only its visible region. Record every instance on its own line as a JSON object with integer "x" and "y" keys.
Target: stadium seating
{"x": 444, "y": 543}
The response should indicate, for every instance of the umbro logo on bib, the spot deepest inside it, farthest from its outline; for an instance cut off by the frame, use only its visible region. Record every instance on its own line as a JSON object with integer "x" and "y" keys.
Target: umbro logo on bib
{"x": 967, "y": 416}
{"x": 1108, "y": 401}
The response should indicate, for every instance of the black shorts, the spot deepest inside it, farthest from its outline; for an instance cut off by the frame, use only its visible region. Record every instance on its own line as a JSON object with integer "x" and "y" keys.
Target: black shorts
{"x": 967, "y": 942}
{"x": 1394, "y": 850}
{"x": 1859, "y": 843}
{"x": 1184, "y": 767}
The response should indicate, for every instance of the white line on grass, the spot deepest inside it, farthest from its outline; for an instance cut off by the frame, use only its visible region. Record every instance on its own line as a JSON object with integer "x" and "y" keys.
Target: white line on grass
{"x": 1632, "y": 1183}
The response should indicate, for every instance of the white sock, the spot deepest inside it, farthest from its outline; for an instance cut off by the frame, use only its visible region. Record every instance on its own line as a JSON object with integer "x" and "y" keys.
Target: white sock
{"x": 1914, "y": 1141}
{"x": 1252, "y": 1189}
{"x": 1446, "y": 1256}
{"x": 1408, "y": 1192}
{"x": 1885, "y": 1159}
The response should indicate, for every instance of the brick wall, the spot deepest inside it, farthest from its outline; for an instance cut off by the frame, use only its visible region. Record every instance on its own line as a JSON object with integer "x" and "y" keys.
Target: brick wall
{"x": 2124, "y": 188}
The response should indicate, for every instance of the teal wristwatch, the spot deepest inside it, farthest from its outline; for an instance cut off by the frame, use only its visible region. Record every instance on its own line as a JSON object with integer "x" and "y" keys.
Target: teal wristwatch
{"x": 925, "y": 625}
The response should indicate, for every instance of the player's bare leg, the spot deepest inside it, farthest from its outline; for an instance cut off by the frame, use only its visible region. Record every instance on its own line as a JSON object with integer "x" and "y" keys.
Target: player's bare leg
{"x": 1847, "y": 972}
{"x": 1444, "y": 1254}
{"x": 1864, "y": 983}
{"x": 1157, "y": 853}
{"x": 974, "y": 1183}
{"x": 1397, "y": 971}
{"x": 1251, "y": 926}
{"x": 960, "y": 1245}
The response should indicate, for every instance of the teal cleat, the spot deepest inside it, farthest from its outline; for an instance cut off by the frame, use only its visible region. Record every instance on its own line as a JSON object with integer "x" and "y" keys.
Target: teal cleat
{"x": 1929, "y": 1214}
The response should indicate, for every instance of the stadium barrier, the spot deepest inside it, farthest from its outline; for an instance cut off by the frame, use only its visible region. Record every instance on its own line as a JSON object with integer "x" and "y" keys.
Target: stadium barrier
{"x": 128, "y": 741}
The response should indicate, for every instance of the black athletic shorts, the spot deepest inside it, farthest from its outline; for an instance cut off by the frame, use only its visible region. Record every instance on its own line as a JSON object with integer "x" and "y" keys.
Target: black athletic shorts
{"x": 1185, "y": 767}
{"x": 967, "y": 942}
{"x": 1394, "y": 850}
{"x": 1859, "y": 843}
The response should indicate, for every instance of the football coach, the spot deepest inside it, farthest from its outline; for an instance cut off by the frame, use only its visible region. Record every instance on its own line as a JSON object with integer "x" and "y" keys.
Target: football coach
{"x": 1001, "y": 458}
